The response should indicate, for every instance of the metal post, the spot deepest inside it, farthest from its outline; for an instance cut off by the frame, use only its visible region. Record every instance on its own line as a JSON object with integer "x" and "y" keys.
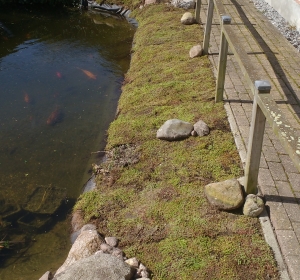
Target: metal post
{"x": 208, "y": 26}
{"x": 222, "y": 60}
{"x": 197, "y": 11}
{"x": 256, "y": 136}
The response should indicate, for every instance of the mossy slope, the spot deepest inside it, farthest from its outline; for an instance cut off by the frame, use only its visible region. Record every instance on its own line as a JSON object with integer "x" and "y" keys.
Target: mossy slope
{"x": 156, "y": 206}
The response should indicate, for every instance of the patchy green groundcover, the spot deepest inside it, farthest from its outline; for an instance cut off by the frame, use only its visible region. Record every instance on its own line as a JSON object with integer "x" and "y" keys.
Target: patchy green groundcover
{"x": 150, "y": 192}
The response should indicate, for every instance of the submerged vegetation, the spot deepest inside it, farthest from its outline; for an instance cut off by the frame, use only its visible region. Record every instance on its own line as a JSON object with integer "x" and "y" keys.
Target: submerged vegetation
{"x": 150, "y": 192}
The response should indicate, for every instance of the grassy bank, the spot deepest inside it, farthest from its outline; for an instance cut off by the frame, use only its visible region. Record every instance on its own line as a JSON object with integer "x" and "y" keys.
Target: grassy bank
{"x": 150, "y": 192}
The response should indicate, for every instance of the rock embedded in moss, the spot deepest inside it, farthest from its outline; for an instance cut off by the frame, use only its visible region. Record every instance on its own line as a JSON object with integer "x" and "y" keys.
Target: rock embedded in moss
{"x": 253, "y": 206}
{"x": 187, "y": 19}
{"x": 196, "y": 51}
{"x": 226, "y": 195}
{"x": 174, "y": 129}
{"x": 201, "y": 128}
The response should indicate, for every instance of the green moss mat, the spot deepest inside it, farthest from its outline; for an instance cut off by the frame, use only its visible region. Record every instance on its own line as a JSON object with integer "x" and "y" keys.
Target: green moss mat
{"x": 156, "y": 205}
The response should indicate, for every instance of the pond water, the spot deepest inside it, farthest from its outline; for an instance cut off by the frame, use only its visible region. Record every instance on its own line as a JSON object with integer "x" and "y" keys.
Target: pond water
{"x": 60, "y": 80}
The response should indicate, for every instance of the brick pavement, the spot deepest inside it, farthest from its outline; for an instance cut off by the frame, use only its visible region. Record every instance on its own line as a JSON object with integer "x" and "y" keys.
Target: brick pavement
{"x": 277, "y": 61}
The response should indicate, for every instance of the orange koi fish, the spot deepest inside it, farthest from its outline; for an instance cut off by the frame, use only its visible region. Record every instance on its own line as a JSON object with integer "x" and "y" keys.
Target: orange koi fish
{"x": 26, "y": 98}
{"x": 88, "y": 74}
{"x": 58, "y": 75}
{"x": 55, "y": 117}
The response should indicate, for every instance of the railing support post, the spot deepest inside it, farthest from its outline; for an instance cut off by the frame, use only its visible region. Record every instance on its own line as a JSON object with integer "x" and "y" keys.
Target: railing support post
{"x": 197, "y": 11}
{"x": 256, "y": 136}
{"x": 222, "y": 60}
{"x": 208, "y": 26}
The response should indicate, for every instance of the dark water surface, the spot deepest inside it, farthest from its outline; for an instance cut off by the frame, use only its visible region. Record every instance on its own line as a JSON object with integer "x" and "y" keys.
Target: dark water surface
{"x": 60, "y": 79}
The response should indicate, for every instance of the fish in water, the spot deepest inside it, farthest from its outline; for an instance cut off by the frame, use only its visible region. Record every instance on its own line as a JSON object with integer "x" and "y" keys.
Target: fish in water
{"x": 55, "y": 117}
{"x": 26, "y": 97}
{"x": 58, "y": 75}
{"x": 88, "y": 74}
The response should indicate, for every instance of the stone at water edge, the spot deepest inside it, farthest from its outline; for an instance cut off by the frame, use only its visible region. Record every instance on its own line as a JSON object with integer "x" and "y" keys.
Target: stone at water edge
{"x": 174, "y": 129}
{"x": 201, "y": 128}
{"x": 187, "y": 19}
{"x": 46, "y": 276}
{"x": 99, "y": 266}
{"x": 253, "y": 206}
{"x": 86, "y": 244}
{"x": 196, "y": 51}
{"x": 226, "y": 195}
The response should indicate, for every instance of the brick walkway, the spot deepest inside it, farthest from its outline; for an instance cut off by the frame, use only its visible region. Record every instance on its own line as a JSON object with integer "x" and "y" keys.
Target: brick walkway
{"x": 278, "y": 62}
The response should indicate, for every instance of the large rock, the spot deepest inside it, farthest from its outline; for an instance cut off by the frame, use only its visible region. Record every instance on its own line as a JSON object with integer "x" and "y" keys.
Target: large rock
{"x": 99, "y": 266}
{"x": 253, "y": 206}
{"x": 226, "y": 195}
{"x": 185, "y": 4}
{"x": 196, "y": 51}
{"x": 187, "y": 19}
{"x": 86, "y": 244}
{"x": 174, "y": 130}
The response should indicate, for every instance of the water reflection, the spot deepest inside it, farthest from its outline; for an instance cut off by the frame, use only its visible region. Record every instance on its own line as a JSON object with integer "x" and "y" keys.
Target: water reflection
{"x": 60, "y": 77}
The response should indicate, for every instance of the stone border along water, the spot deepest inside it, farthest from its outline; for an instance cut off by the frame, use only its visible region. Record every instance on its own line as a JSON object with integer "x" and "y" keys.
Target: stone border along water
{"x": 287, "y": 30}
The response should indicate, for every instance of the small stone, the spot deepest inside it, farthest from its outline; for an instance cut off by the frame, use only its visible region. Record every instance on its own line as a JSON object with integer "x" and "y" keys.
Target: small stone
{"x": 226, "y": 195}
{"x": 117, "y": 253}
{"x": 185, "y": 4}
{"x": 107, "y": 249}
{"x": 253, "y": 206}
{"x": 201, "y": 128}
{"x": 144, "y": 274}
{"x": 112, "y": 241}
{"x": 196, "y": 51}
{"x": 148, "y": 2}
{"x": 142, "y": 267}
{"x": 187, "y": 19}
{"x": 133, "y": 262}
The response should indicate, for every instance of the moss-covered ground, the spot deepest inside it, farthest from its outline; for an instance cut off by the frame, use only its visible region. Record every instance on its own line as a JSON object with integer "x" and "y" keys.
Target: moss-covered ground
{"x": 150, "y": 192}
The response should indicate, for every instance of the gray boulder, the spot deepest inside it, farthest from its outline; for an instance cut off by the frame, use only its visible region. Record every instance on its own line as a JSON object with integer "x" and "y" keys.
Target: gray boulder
{"x": 174, "y": 130}
{"x": 226, "y": 195}
{"x": 185, "y": 4}
{"x": 99, "y": 266}
{"x": 253, "y": 206}
{"x": 196, "y": 51}
{"x": 86, "y": 244}
{"x": 201, "y": 128}
{"x": 187, "y": 19}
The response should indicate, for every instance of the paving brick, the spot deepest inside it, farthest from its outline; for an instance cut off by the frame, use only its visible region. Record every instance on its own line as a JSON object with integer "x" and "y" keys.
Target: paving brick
{"x": 277, "y": 171}
{"x": 277, "y": 145}
{"x": 278, "y": 215}
{"x": 288, "y": 243}
{"x": 294, "y": 179}
{"x": 293, "y": 264}
{"x": 270, "y": 154}
{"x": 265, "y": 177}
{"x": 287, "y": 164}
{"x": 296, "y": 227}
